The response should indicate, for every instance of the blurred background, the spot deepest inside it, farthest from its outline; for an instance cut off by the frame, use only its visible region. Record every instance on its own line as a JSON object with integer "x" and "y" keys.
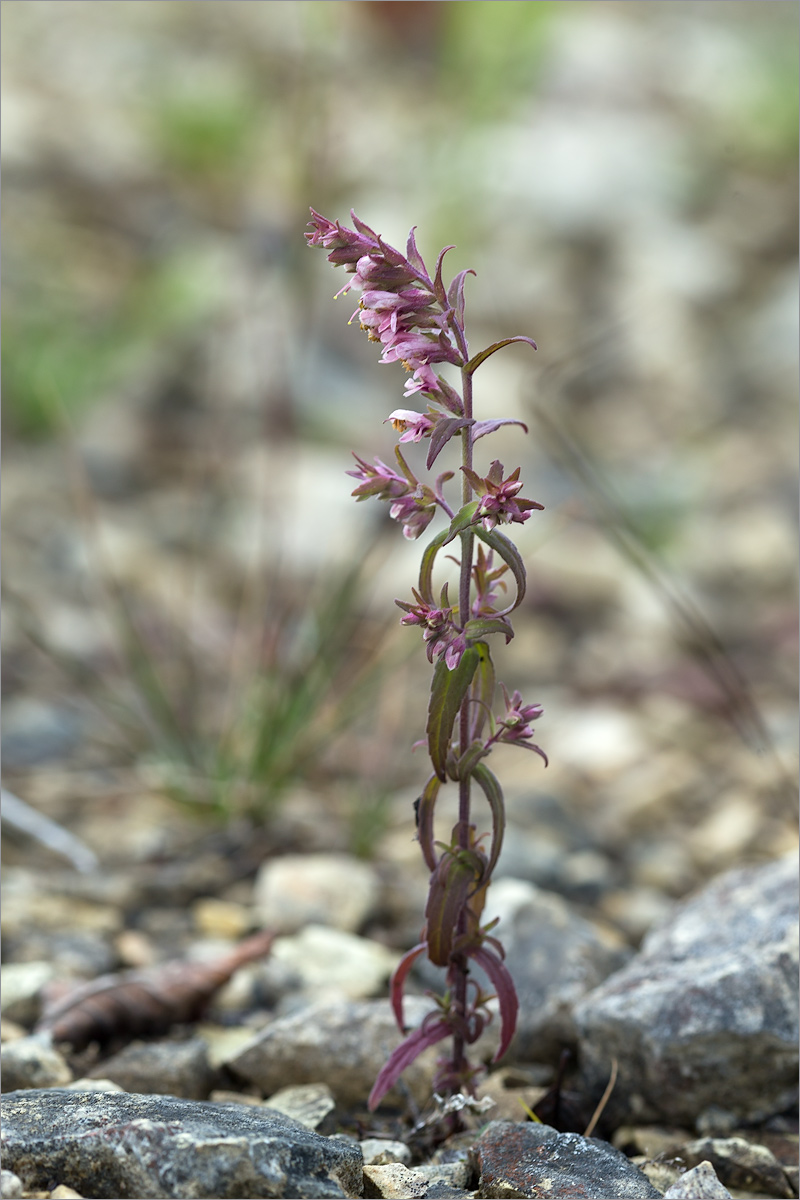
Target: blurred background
{"x": 200, "y": 644}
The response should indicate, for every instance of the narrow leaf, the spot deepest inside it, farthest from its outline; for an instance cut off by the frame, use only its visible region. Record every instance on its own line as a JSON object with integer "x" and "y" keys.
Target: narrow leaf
{"x": 482, "y": 690}
{"x": 425, "y": 821}
{"x": 481, "y": 428}
{"x": 466, "y": 763}
{"x": 399, "y": 978}
{"x": 506, "y": 994}
{"x": 462, "y": 520}
{"x": 479, "y": 627}
{"x": 477, "y": 359}
{"x": 426, "y": 567}
{"x": 510, "y": 555}
{"x": 441, "y": 435}
{"x": 491, "y": 788}
{"x": 455, "y": 294}
{"x": 448, "y": 689}
{"x": 413, "y": 255}
{"x": 451, "y": 886}
{"x": 438, "y": 286}
{"x": 405, "y": 468}
{"x": 403, "y": 1056}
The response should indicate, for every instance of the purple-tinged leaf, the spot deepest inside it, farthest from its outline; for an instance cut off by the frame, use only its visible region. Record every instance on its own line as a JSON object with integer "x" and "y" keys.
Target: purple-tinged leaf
{"x": 491, "y": 788}
{"x": 403, "y": 1056}
{"x": 413, "y": 255}
{"x": 426, "y": 568}
{"x": 477, "y": 359}
{"x": 465, "y": 765}
{"x": 506, "y": 994}
{"x": 481, "y": 428}
{"x": 462, "y": 520}
{"x": 398, "y": 979}
{"x": 536, "y": 750}
{"x": 425, "y": 809}
{"x": 452, "y": 884}
{"x": 443, "y": 430}
{"x": 363, "y": 228}
{"x": 438, "y": 286}
{"x": 482, "y": 690}
{"x": 479, "y": 627}
{"x": 406, "y": 469}
{"x": 510, "y": 555}
{"x": 455, "y": 294}
{"x": 447, "y": 395}
{"x": 448, "y": 689}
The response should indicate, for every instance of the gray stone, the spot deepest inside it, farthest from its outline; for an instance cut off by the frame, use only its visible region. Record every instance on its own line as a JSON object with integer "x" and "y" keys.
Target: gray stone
{"x": 380, "y": 1151}
{"x": 159, "y": 1146}
{"x": 312, "y": 1104}
{"x": 393, "y": 1181}
{"x": 344, "y": 1045}
{"x": 706, "y": 1014}
{"x": 315, "y": 889}
{"x": 10, "y": 1185}
{"x": 22, "y": 983}
{"x": 740, "y": 1164}
{"x": 535, "y": 1160}
{"x": 340, "y": 962}
{"x": 161, "y": 1068}
{"x": 555, "y": 957}
{"x": 32, "y": 1062}
{"x": 700, "y": 1183}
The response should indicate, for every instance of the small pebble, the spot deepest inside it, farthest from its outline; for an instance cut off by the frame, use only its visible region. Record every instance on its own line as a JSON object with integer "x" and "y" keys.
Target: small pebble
{"x": 379, "y": 1152}
{"x": 221, "y": 918}
{"x": 700, "y": 1183}
{"x": 10, "y": 1185}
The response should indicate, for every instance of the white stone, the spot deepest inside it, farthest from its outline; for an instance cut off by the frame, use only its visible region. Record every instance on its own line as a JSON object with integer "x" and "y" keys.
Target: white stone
{"x": 319, "y": 889}
{"x": 336, "y": 962}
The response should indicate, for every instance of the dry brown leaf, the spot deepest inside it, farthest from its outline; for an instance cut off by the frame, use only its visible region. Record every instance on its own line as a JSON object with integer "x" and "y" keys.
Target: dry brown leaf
{"x": 147, "y": 1001}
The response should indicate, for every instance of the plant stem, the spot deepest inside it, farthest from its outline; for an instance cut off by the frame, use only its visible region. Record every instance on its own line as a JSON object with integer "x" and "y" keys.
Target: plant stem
{"x": 460, "y": 969}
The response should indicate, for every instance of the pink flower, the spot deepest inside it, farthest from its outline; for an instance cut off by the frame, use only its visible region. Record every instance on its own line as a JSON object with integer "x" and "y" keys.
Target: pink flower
{"x": 499, "y": 504}
{"x": 438, "y": 629}
{"x": 415, "y": 513}
{"x": 414, "y": 425}
{"x": 515, "y": 729}
{"x": 380, "y": 481}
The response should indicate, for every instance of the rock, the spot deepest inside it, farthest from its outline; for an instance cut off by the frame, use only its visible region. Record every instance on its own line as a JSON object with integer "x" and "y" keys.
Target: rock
{"x": 344, "y": 1045}
{"x": 535, "y": 1160}
{"x": 32, "y": 1062}
{"x": 35, "y": 732}
{"x": 380, "y": 1151}
{"x": 10, "y": 1185}
{"x": 118, "y": 1145}
{"x": 739, "y": 1164}
{"x": 453, "y": 1175}
{"x": 94, "y": 1085}
{"x": 62, "y": 1192}
{"x": 394, "y": 1182}
{"x": 22, "y": 983}
{"x": 163, "y": 1068}
{"x": 323, "y": 889}
{"x": 309, "y": 1103}
{"x": 555, "y": 957}
{"x": 338, "y": 962}
{"x": 706, "y": 1013}
{"x": 700, "y": 1183}
{"x": 221, "y": 918}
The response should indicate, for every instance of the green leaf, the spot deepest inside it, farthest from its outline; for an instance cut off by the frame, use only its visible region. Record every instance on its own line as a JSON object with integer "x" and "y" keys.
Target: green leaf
{"x": 482, "y": 690}
{"x": 488, "y": 782}
{"x": 462, "y": 520}
{"x": 476, "y": 361}
{"x": 448, "y": 689}
{"x": 453, "y": 880}
{"x": 425, "y": 806}
{"x": 480, "y": 626}
{"x": 511, "y": 555}
{"x": 426, "y": 568}
{"x": 468, "y": 760}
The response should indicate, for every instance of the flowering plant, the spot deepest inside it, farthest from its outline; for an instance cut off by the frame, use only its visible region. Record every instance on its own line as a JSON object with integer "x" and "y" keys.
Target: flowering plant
{"x": 420, "y": 322}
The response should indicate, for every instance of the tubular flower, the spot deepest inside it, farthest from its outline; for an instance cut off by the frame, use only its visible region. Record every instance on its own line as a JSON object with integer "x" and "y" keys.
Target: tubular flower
{"x": 515, "y": 728}
{"x": 413, "y": 425}
{"x": 438, "y": 629}
{"x": 499, "y": 504}
{"x": 380, "y": 481}
{"x": 415, "y": 511}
